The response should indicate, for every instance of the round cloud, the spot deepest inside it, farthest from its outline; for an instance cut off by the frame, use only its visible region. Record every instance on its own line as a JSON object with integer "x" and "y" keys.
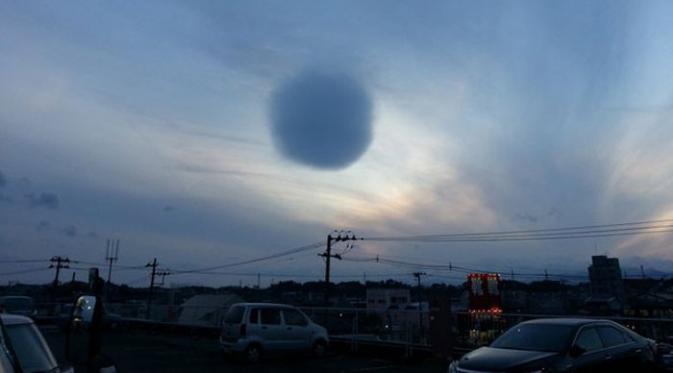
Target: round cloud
{"x": 322, "y": 120}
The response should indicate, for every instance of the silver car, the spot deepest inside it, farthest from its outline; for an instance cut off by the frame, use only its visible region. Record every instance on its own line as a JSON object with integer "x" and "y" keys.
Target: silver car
{"x": 253, "y": 329}
{"x": 23, "y": 349}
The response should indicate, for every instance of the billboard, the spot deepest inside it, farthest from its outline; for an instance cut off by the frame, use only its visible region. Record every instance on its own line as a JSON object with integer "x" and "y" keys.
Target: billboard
{"x": 484, "y": 291}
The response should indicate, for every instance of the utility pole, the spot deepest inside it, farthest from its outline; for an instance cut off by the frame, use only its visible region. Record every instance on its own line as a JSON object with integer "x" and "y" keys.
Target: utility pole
{"x": 420, "y": 308}
{"x": 347, "y": 236}
{"x": 163, "y": 273}
{"x": 152, "y": 265}
{"x": 259, "y": 280}
{"x": 111, "y": 256}
{"x": 642, "y": 272}
{"x": 58, "y": 263}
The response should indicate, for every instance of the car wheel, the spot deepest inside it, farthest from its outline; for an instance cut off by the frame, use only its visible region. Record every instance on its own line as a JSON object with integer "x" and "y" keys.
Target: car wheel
{"x": 253, "y": 354}
{"x": 319, "y": 348}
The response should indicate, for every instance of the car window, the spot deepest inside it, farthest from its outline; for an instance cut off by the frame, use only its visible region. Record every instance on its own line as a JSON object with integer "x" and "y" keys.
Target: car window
{"x": 535, "y": 337}
{"x": 234, "y": 315}
{"x": 589, "y": 340}
{"x": 611, "y": 336}
{"x": 270, "y": 316}
{"x": 294, "y": 317}
{"x": 30, "y": 348}
{"x": 254, "y": 316}
{"x": 629, "y": 337}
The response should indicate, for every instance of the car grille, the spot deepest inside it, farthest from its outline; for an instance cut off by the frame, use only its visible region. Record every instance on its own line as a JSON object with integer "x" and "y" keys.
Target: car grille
{"x": 462, "y": 370}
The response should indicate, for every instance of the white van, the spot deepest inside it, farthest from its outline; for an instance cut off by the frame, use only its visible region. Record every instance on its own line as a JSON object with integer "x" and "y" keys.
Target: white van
{"x": 253, "y": 329}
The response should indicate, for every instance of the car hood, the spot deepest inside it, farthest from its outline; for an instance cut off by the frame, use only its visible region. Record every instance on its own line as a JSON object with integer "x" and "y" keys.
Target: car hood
{"x": 499, "y": 359}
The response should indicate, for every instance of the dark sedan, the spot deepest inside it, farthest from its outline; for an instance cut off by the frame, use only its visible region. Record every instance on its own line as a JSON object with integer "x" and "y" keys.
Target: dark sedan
{"x": 562, "y": 345}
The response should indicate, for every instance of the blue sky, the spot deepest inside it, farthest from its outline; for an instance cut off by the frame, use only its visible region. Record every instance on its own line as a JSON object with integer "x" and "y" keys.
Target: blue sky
{"x": 151, "y": 122}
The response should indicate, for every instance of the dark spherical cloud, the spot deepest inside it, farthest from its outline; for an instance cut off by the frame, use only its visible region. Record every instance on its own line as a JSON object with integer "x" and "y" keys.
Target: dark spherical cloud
{"x": 322, "y": 120}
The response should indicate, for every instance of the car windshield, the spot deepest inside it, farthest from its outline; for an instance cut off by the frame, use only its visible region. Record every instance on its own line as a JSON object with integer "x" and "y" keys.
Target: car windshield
{"x": 30, "y": 348}
{"x": 535, "y": 337}
{"x": 234, "y": 315}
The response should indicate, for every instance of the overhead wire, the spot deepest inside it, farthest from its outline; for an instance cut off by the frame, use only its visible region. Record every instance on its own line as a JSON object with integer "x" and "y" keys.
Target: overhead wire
{"x": 255, "y": 260}
{"x": 20, "y": 261}
{"x": 454, "y": 268}
{"x": 31, "y": 270}
{"x": 587, "y": 231}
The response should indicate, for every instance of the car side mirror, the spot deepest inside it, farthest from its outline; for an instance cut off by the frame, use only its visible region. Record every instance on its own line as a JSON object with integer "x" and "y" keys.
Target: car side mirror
{"x": 83, "y": 338}
{"x": 83, "y": 311}
{"x": 576, "y": 351}
{"x": 79, "y": 334}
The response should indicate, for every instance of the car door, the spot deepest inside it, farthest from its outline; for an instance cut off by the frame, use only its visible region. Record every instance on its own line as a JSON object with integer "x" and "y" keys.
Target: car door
{"x": 620, "y": 352}
{"x": 592, "y": 359}
{"x": 297, "y": 330}
{"x": 271, "y": 329}
{"x": 254, "y": 329}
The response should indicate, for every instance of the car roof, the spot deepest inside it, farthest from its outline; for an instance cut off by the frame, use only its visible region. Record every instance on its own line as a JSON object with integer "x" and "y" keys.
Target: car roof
{"x": 566, "y": 321}
{"x": 15, "y": 297}
{"x": 264, "y": 305}
{"x": 9, "y": 319}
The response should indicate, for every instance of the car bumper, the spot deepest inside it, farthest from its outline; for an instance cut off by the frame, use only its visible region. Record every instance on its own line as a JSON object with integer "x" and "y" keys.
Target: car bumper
{"x": 231, "y": 346}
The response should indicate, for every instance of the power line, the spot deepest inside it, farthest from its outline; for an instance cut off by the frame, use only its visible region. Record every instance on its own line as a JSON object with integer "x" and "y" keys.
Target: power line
{"x": 20, "y": 261}
{"x": 529, "y": 238}
{"x": 451, "y": 267}
{"x": 291, "y": 275}
{"x": 117, "y": 267}
{"x": 587, "y": 231}
{"x": 255, "y": 260}
{"x": 31, "y": 270}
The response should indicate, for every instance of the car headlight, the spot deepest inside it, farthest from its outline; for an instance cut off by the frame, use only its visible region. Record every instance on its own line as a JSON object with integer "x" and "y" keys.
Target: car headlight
{"x": 453, "y": 367}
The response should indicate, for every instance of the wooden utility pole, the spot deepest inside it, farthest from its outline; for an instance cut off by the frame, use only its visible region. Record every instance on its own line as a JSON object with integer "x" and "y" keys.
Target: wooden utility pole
{"x": 58, "y": 263}
{"x": 347, "y": 236}
{"x": 111, "y": 256}
{"x": 152, "y": 265}
{"x": 420, "y": 307}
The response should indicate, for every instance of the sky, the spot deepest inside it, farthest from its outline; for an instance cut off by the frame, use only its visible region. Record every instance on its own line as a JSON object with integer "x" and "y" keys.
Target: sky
{"x": 207, "y": 132}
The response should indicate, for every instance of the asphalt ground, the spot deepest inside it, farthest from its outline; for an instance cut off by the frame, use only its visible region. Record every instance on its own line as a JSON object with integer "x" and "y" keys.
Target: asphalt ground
{"x": 141, "y": 351}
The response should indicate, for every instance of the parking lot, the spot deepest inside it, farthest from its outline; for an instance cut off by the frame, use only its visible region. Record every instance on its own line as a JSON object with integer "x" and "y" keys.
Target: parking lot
{"x": 145, "y": 352}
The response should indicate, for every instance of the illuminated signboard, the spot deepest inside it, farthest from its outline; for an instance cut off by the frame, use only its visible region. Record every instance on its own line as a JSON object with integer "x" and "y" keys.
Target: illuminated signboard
{"x": 484, "y": 291}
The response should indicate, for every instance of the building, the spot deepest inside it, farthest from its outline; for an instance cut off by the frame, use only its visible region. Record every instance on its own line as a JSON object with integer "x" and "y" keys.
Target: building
{"x": 606, "y": 287}
{"x": 484, "y": 291}
{"x": 382, "y": 299}
{"x": 605, "y": 277}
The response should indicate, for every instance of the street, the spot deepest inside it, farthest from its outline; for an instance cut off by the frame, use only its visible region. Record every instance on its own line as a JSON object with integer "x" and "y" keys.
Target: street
{"x": 144, "y": 352}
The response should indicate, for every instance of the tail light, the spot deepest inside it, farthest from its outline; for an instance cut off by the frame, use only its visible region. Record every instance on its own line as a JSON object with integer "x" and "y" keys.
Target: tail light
{"x": 242, "y": 330}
